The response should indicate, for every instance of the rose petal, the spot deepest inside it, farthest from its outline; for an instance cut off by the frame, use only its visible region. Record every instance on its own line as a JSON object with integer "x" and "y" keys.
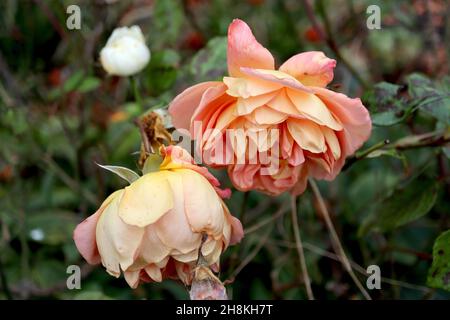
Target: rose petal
{"x": 153, "y": 250}
{"x": 332, "y": 142}
{"x": 307, "y": 134}
{"x": 154, "y": 272}
{"x": 184, "y": 105}
{"x": 313, "y": 108}
{"x": 246, "y": 106}
{"x": 277, "y": 78}
{"x": 311, "y": 68}
{"x": 132, "y": 278}
{"x": 246, "y": 87}
{"x": 154, "y": 188}
{"x": 173, "y": 228}
{"x": 84, "y": 237}
{"x": 203, "y": 208}
{"x": 245, "y": 51}
{"x": 177, "y": 158}
{"x": 352, "y": 114}
{"x": 117, "y": 241}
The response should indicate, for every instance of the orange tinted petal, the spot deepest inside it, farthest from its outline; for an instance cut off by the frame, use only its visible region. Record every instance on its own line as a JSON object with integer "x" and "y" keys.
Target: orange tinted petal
{"x": 245, "y": 51}
{"x": 311, "y": 68}
{"x": 307, "y": 134}
{"x": 184, "y": 105}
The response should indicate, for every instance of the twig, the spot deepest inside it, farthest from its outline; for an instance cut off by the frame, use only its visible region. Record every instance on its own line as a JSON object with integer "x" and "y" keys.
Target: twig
{"x": 356, "y": 266}
{"x": 364, "y": 153}
{"x": 418, "y": 254}
{"x": 429, "y": 139}
{"x": 250, "y": 257}
{"x": 299, "y": 246}
{"x": 337, "y": 246}
{"x": 30, "y": 289}
{"x": 262, "y": 223}
{"x": 255, "y": 212}
{"x": 71, "y": 183}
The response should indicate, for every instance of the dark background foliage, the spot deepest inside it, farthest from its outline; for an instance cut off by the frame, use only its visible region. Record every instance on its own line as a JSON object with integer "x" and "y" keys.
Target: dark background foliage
{"x": 60, "y": 114}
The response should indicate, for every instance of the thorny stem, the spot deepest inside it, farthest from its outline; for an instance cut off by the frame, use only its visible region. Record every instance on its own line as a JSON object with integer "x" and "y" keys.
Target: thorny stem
{"x": 430, "y": 139}
{"x": 337, "y": 246}
{"x": 299, "y": 245}
{"x": 365, "y": 153}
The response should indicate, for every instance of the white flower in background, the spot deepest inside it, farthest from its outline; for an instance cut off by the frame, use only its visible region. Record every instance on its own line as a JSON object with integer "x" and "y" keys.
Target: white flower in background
{"x": 125, "y": 52}
{"x": 37, "y": 234}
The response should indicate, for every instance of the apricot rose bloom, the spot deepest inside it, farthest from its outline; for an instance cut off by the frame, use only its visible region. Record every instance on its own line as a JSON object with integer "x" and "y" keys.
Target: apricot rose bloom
{"x": 153, "y": 228}
{"x": 318, "y": 128}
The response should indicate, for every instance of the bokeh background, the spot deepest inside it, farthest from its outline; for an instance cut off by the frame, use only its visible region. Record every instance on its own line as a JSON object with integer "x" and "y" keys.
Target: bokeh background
{"x": 60, "y": 114}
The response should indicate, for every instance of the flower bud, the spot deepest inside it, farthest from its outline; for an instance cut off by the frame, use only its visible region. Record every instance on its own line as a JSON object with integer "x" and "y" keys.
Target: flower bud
{"x": 125, "y": 52}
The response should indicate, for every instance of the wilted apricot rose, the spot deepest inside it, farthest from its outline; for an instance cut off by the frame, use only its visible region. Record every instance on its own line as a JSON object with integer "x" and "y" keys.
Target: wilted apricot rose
{"x": 154, "y": 228}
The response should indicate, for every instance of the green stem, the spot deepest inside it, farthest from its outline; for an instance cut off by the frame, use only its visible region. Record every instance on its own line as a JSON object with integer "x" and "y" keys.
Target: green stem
{"x": 362, "y": 154}
{"x": 137, "y": 95}
{"x": 336, "y": 243}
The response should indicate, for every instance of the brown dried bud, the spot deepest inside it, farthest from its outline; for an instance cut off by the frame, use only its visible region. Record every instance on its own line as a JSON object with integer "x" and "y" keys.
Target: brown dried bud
{"x": 206, "y": 286}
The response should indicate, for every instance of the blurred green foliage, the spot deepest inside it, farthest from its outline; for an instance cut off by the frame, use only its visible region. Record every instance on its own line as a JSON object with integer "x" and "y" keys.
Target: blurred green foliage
{"x": 60, "y": 115}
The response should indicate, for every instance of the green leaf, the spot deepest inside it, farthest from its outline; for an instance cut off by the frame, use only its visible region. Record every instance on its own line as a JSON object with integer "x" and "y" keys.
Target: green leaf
{"x": 211, "y": 62}
{"x": 122, "y": 172}
{"x": 386, "y": 105}
{"x": 89, "y": 84}
{"x": 48, "y": 272}
{"x": 439, "y": 273}
{"x": 168, "y": 18}
{"x": 404, "y": 205}
{"x": 432, "y": 98}
{"x": 162, "y": 71}
{"x": 152, "y": 163}
{"x": 77, "y": 81}
{"x": 419, "y": 86}
{"x": 446, "y": 151}
{"x": 385, "y": 152}
{"x": 387, "y": 118}
{"x": 74, "y": 81}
